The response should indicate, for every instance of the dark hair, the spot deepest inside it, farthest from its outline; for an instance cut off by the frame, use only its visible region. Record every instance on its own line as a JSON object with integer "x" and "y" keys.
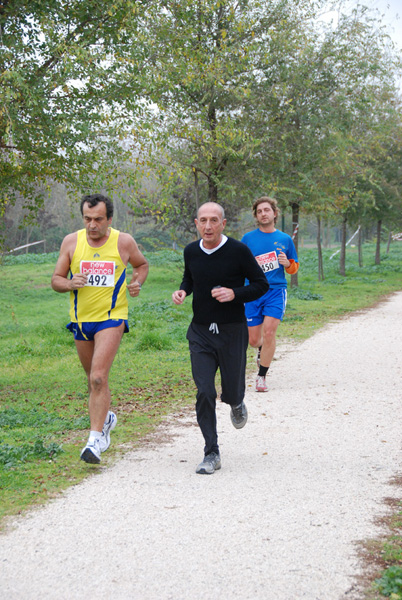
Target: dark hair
{"x": 94, "y": 199}
{"x": 271, "y": 201}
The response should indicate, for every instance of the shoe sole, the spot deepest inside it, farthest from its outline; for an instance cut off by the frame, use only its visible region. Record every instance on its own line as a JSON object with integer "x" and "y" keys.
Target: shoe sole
{"x": 239, "y": 425}
{"x": 261, "y": 390}
{"x": 205, "y": 472}
{"x": 89, "y": 457}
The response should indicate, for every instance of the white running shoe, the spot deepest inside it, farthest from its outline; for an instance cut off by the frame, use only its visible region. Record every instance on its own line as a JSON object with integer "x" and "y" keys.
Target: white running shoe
{"x": 110, "y": 424}
{"x": 261, "y": 384}
{"x": 91, "y": 453}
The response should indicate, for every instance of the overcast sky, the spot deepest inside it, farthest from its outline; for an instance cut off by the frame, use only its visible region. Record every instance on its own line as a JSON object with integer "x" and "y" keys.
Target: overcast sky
{"x": 392, "y": 11}
{"x": 390, "y": 15}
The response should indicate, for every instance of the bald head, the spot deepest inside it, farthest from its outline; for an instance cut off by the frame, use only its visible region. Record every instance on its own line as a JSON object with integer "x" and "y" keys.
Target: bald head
{"x": 211, "y": 206}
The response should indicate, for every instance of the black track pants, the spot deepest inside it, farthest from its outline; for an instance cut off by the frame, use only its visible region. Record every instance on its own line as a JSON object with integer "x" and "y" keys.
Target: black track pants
{"x": 226, "y": 350}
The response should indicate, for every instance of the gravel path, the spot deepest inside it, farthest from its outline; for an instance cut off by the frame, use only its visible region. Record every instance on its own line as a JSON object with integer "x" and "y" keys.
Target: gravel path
{"x": 300, "y": 485}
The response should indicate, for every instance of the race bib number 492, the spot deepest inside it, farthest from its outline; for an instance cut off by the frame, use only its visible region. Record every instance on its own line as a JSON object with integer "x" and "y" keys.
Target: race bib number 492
{"x": 268, "y": 261}
{"x": 100, "y": 273}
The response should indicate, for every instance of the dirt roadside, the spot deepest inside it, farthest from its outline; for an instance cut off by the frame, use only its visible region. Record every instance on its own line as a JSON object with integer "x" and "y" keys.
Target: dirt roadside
{"x": 300, "y": 486}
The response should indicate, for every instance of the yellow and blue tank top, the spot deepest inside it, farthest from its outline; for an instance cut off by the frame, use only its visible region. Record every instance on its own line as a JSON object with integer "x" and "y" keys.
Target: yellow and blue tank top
{"x": 104, "y": 297}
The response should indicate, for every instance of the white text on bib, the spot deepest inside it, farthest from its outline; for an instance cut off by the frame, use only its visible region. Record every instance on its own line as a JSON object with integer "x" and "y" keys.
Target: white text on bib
{"x": 100, "y": 273}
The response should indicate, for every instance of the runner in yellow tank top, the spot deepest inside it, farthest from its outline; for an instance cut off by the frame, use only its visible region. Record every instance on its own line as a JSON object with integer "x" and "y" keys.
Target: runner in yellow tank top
{"x": 92, "y": 267}
{"x": 104, "y": 297}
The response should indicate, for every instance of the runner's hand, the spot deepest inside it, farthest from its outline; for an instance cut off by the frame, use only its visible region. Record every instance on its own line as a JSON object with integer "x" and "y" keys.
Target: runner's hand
{"x": 134, "y": 286}
{"x": 178, "y": 296}
{"x": 283, "y": 260}
{"x": 78, "y": 281}
{"x": 222, "y": 294}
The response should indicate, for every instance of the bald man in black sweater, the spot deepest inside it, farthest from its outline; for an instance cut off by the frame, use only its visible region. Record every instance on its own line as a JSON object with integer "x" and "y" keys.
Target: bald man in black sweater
{"x": 215, "y": 270}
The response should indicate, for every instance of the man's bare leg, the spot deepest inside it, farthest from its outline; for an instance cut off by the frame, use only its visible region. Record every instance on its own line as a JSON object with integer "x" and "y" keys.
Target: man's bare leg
{"x": 97, "y": 358}
{"x": 255, "y": 336}
{"x": 85, "y": 352}
{"x": 264, "y": 337}
{"x": 269, "y": 328}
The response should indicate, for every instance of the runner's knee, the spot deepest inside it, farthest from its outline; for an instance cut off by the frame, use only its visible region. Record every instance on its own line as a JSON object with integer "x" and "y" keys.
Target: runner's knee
{"x": 269, "y": 333}
{"x": 254, "y": 339}
{"x": 98, "y": 381}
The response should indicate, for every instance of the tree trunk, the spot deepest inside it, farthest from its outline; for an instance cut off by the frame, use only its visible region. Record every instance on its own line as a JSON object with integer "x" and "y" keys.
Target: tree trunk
{"x": 213, "y": 166}
{"x": 327, "y": 236}
{"x": 342, "y": 259}
{"x": 294, "y": 280}
{"x": 319, "y": 249}
{"x": 378, "y": 244}
{"x": 360, "y": 246}
{"x": 389, "y": 241}
{"x": 212, "y": 190}
{"x": 197, "y": 196}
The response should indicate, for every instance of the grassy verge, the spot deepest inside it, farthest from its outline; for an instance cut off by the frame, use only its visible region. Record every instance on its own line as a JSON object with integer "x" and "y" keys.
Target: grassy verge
{"x": 383, "y": 556}
{"x": 43, "y": 411}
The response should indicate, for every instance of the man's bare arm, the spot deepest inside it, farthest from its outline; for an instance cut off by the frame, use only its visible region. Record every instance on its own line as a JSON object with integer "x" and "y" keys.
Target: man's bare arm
{"x": 60, "y": 281}
{"x": 131, "y": 254}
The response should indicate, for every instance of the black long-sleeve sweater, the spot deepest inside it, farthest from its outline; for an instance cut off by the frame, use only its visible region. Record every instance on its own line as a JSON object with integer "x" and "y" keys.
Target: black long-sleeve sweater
{"x": 227, "y": 267}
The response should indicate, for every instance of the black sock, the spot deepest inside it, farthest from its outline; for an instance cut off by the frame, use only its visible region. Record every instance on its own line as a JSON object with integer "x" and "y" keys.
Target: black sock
{"x": 263, "y": 371}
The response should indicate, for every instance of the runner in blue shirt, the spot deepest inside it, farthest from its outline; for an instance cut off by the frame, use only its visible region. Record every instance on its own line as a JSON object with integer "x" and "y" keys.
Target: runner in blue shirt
{"x": 275, "y": 253}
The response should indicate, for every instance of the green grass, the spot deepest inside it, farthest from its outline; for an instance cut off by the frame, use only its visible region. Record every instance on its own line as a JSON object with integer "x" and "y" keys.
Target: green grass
{"x": 383, "y": 557}
{"x": 43, "y": 410}
{"x": 389, "y": 585}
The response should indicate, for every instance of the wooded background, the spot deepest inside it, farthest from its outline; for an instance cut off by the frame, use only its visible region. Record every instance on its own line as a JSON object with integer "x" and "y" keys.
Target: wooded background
{"x": 164, "y": 105}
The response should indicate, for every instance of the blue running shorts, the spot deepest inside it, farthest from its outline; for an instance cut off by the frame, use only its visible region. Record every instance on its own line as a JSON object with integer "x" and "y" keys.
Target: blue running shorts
{"x": 86, "y": 331}
{"x": 271, "y": 304}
